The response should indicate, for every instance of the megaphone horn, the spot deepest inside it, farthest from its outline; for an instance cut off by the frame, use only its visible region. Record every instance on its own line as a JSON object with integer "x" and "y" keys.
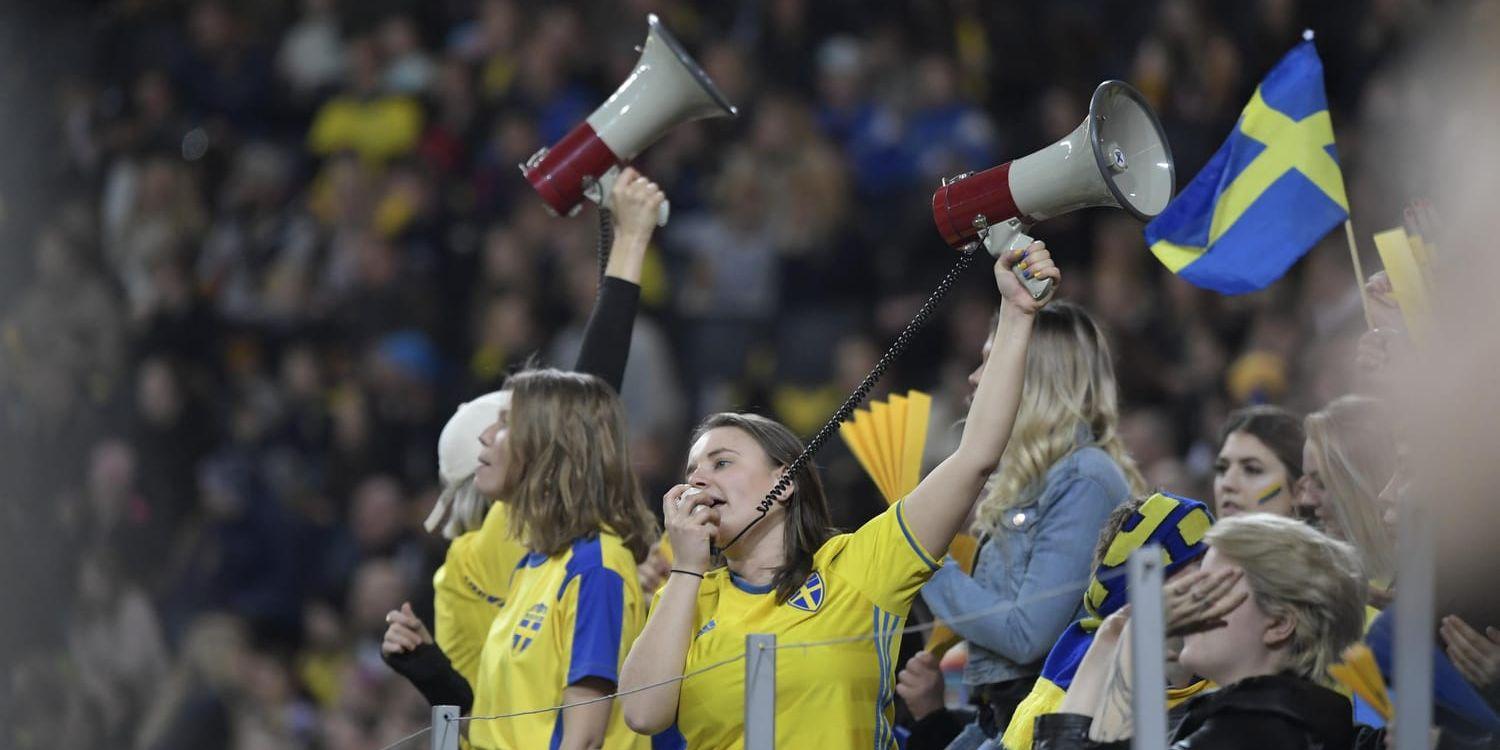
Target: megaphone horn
{"x": 666, "y": 89}
{"x": 1117, "y": 157}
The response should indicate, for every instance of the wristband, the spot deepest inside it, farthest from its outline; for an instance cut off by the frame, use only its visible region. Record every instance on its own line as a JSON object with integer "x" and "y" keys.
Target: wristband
{"x": 687, "y": 572}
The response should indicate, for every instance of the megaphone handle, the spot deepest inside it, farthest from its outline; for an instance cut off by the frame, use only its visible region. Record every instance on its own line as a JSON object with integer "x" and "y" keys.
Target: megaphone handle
{"x": 1010, "y": 236}
{"x": 599, "y": 191}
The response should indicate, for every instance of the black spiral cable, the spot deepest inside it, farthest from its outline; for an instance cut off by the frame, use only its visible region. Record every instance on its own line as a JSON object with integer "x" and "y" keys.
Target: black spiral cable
{"x": 606, "y": 240}
{"x": 844, "y": 412}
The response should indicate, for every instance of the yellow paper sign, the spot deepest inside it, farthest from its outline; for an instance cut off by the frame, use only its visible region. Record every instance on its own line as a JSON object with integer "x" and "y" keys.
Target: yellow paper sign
{"x": 1406, "y": 280}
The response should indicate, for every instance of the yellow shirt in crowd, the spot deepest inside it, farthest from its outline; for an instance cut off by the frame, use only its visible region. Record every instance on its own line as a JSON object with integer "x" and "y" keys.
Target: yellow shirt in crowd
{"x": 828, "y": 696}
{"x": 470, "y": 588}
{"x": 568, "y": 617}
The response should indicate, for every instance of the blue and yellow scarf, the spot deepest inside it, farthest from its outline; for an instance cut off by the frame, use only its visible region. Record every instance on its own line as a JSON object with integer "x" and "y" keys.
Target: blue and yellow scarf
{"x": 1178, "y": 525}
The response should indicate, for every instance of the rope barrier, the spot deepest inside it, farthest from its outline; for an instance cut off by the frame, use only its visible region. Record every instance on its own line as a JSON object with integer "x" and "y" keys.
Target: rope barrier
{"x": 1052, "y": 593}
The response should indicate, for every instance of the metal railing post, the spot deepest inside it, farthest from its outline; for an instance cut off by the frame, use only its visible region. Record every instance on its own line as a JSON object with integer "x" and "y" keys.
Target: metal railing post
{"x": 1415, "y": 602}
{"x": 760, "y": 692}
{"x": 445, "y": 729}
{"x": 1147, "y": 649}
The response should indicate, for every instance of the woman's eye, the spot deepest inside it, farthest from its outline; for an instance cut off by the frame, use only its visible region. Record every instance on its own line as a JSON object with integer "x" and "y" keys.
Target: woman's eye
{"x": 721, "y": 463}
{"x": 1253, "y": 471}
{"x": 1221, "y": 467}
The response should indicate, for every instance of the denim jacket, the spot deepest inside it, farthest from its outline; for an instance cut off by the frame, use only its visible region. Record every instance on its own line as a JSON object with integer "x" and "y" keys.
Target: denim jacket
{"x": 1038, "y": 559}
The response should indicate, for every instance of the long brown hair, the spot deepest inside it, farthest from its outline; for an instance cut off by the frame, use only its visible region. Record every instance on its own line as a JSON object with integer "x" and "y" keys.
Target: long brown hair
{"x": 568, "y": 472}
{"x": 808, "y": 523}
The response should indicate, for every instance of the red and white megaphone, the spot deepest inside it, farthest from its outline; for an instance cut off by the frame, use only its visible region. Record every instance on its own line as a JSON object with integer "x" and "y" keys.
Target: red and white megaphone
{"x": 1117, "y": 157}
{"x": 666, "y": 89}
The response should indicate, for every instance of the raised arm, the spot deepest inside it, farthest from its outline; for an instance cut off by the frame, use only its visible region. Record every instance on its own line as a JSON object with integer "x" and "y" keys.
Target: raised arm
{"x": 606, "y": 337}
{"x": 936, "y": 509}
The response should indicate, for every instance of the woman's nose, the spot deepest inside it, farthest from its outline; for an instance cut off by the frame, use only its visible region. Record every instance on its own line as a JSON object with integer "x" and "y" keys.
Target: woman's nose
{"x": 1229, "y": 481}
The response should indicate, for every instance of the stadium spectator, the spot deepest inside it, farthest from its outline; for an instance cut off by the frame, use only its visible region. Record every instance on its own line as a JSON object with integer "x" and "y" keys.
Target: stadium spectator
{"x": 1298, "y": 601}
{"x": 704, "y": 610}
{"x": 1259, "y": 462}
{"x": 1064, "y": 471}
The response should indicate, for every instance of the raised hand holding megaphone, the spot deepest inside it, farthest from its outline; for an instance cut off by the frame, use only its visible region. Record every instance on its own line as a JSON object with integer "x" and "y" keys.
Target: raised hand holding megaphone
{"x": 667, "y": 88}
{"x": 1117, "y": 157}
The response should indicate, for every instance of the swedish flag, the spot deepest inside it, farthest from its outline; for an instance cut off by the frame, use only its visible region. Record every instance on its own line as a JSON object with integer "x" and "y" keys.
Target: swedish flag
{"x": 1270, "y": 193}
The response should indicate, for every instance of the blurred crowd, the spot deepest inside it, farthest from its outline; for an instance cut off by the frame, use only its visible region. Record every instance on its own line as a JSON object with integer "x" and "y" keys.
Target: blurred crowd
{"x": 280, "y": 241}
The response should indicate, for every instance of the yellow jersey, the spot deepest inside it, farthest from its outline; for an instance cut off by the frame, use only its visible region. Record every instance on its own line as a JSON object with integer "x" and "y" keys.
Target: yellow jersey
{"x": 570, "y": 616}
{"x": 470, "y": 588}
{"x": 827, "y": 696}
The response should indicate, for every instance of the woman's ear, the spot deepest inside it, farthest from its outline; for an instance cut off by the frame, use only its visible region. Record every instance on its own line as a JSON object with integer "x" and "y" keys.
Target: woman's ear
{"x": 791, "y": 488}
{"x": 1280, "y": 629}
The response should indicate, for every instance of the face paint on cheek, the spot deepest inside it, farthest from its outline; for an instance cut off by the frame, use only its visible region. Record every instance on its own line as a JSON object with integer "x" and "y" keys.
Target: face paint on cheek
{"x": 1270, "y": 494}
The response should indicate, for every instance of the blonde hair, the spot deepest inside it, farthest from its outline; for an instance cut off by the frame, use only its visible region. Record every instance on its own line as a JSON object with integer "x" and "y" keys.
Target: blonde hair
{"x": 1297, "y": 572}
{"x": 568, "y": 472}
{"x": 1070, "y": 383}
{"x": 1355, "y": 451}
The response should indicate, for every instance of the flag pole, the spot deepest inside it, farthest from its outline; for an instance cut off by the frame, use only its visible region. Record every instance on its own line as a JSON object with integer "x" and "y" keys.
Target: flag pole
{"x": 1359, "y": 273}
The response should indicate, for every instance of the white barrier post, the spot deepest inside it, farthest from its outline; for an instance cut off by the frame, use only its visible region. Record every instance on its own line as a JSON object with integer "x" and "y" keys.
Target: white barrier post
{"x": 760, "y": 692}
{"x": 445, "y": 729}
{"x": 1414, "y": 604}
{"x": 1147, "y": 649}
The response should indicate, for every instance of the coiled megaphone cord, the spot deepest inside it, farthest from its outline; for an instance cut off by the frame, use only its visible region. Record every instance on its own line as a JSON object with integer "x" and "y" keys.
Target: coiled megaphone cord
{"x": 844, "y": 412}
{"x": 606, "y": 241}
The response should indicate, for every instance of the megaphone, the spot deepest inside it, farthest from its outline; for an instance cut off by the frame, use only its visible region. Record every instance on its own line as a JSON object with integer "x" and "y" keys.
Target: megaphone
{"x": 1117, "y": 157}
{"x": 666, "y": 89}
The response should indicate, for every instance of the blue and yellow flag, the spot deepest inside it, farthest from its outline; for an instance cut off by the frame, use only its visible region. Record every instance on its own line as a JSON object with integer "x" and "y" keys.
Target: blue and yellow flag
{"x": 1270, "y": 193}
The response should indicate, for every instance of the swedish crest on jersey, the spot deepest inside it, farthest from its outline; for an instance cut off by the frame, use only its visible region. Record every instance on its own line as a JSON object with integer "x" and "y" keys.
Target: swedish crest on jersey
{"x": 810, "y": 596}
{"x": 528, "y": 627}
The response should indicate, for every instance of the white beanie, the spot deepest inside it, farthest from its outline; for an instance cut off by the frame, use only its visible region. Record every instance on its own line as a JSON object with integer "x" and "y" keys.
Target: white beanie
{"x": 458, "y": 458}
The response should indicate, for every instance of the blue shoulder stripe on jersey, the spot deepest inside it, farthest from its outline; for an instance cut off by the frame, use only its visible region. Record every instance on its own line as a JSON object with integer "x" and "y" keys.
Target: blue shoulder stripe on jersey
{"x": 598, "y": 614}
{"x": 901, "y": 520}
{"x": 588, "y": 553}
{"x": 669, "y": 739}
{"x": 557, "y": 733}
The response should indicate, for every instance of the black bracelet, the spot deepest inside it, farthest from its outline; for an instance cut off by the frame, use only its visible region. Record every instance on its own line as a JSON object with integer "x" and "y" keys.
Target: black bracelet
{"x": 686, "y": 572}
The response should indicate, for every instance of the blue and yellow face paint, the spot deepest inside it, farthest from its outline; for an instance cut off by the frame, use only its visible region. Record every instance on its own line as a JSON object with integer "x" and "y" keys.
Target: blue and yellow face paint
{"x": 1270, "y": 494}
